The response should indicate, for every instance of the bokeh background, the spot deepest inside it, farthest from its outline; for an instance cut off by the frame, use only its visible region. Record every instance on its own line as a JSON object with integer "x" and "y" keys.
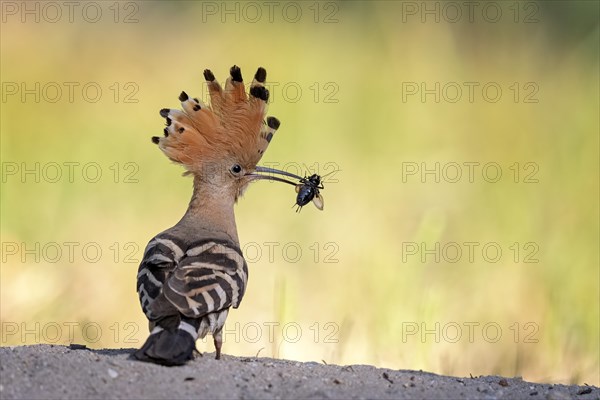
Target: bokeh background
{"x": 376, "y": 278}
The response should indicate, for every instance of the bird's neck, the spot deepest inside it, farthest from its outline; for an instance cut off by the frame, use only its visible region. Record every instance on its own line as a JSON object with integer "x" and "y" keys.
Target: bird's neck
{"x": 210, "y": 213}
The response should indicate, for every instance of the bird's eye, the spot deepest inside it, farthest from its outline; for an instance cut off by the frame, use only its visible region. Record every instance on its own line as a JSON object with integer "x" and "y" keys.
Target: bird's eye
{"x": 236, "y": 169}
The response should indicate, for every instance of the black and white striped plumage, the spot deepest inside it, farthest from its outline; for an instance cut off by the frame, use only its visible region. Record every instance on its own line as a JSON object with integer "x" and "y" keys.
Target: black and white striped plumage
{"x": 186, "y": 290}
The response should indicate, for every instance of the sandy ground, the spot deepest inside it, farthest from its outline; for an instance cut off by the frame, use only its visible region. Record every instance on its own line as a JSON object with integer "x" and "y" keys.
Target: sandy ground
{"x": 59, "y": 372}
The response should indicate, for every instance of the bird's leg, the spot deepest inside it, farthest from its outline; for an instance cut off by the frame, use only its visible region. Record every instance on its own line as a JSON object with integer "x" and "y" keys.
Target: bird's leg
{"x": 218, "y": 339}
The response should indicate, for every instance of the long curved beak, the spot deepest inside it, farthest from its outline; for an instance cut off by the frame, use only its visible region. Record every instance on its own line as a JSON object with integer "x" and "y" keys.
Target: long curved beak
{"x": 269, "y": 174}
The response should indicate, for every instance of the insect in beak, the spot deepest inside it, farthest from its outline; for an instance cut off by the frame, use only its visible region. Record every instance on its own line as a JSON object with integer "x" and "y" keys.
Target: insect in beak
{"x": 307, "y": 189}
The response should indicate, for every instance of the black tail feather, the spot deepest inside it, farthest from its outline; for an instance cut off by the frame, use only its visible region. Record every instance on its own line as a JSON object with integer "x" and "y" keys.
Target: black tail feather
{"x": 167, "y": 347}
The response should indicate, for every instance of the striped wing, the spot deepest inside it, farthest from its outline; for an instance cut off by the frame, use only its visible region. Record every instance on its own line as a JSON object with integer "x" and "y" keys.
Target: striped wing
{"x": 210, "y": 276}
{"x": 161, "y": 257}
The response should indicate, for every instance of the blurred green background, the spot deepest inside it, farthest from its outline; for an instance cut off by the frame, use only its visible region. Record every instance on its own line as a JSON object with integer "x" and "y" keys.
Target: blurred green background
{"x": 376, "y": 277}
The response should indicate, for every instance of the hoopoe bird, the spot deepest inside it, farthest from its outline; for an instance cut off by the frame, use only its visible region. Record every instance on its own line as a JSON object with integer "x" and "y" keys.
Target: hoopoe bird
{"x": 194, "y": 272}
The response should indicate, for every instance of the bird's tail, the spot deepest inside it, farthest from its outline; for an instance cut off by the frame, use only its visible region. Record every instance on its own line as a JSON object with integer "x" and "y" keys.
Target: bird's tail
{"x": 170, "y": 343}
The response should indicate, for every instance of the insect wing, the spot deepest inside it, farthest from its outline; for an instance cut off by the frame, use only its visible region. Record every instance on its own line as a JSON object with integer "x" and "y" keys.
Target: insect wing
{"x": 318, "y": 200}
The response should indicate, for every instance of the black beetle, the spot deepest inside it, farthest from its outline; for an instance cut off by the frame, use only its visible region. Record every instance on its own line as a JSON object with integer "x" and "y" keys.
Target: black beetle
{"x": 308, "y": 190}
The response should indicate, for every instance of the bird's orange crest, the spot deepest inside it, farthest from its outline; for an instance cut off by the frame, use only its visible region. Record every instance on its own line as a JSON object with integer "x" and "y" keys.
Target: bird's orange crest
{"x": 232, "y": 126}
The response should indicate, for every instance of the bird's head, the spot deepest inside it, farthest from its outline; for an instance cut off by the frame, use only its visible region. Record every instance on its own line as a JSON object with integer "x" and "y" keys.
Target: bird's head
{"x": 221, "y": 143}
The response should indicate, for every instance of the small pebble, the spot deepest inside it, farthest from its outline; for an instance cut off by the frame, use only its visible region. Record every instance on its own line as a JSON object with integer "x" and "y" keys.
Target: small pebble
{"x": 482, "y": 389}
{"x": 503, "y": 382}
{"x": 112, "y": 373}
{"x": 584, "y": 391}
